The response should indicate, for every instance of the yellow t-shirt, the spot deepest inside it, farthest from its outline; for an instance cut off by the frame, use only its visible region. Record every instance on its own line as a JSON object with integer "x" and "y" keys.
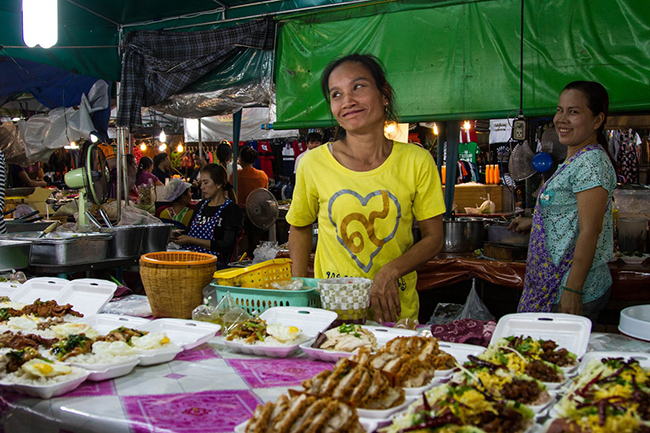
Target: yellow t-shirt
{"x": 365, "y": 219}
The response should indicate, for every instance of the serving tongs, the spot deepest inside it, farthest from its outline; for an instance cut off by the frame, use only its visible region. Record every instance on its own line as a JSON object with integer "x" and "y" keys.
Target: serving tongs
{"x": 105, "y": 217}
{"x": 93, "y": 220}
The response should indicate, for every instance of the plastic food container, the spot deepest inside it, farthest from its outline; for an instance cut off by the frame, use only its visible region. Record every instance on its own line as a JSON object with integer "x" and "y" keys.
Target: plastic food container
{"x": 635, "y": 322}
{"x": 349, "y": 297}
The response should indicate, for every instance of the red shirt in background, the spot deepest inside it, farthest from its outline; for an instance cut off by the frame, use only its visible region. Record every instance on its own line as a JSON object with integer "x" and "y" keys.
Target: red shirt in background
{"x": 247, "y": 180}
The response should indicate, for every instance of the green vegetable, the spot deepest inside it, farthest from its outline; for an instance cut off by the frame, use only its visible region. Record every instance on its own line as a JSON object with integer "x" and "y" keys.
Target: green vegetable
{"x": 67, "y": 345}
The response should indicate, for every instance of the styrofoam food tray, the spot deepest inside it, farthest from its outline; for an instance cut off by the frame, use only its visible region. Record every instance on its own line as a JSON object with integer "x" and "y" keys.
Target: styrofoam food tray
{"x": 309, "y": 320}
{"x": 382, "y": 334}
{"x": 634, "y": 260}
{"x": 158, "y": 356}
{"x": 8, "y": 288}
{"x": 47, "y": 391}
{"x": 105, "y": 323}
{"x": 642, "y": 357}
{"x": 367, "y": 424}
{"x": 87, "y": 295}
{"x": 567, "y": 330}
{"x": 100, "y": 372}
{"x": 383, "y": 414}
{"x": 635, "y": 322}
{"x": 45, "y": 288}
{"x": 186, "y": 333}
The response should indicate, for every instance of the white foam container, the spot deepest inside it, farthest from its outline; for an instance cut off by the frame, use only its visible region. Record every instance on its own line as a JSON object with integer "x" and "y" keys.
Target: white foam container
{"x": 45, "y": 288}
{"x": 8, "y": 288}
{"x": 635, "y": 322}
{"x": 99, "y": 372}
{"x": 382, "y": 334}
{"x": 105, "y": 323}
{"x": 186, "y": 333}
{"x": 382, "y": 414}
{"x": 642, "y": 357}
{"x": 567, "y": 330}
{"x": 87, "y": 295}
{"x": 47, "y": 391}
{"x": 310, "y": 321}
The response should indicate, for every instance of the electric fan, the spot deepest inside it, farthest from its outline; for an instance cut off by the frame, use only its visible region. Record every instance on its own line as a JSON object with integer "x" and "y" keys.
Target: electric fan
{"x": 524, "y": 163}
{"x": 262, "y": 210}
{"x": 91, "y": 179}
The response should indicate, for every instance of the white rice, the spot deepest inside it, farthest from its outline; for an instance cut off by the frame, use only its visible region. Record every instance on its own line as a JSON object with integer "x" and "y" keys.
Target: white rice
{"x": 23, "y": 378}
{"x": 272, "y": 342}
{"x": 100, "y": 359}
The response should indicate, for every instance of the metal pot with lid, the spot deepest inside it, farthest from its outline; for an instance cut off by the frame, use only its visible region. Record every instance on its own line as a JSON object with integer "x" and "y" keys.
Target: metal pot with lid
{"x": 463, "y": 234}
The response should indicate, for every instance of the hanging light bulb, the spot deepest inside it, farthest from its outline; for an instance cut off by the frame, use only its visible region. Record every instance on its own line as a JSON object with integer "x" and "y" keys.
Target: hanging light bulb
{"x": 94, "y": 138}
{"x": 40, "y": 21}
{"x": 163, "y": 137}
{"x": 467, "y": 126}
{"x": 435, "y": 129}
{"x": 179, "y": 149}
{"x": 162, "y": 147}
{"x": 72, "y": 145}
{"x": 143, "y": 147}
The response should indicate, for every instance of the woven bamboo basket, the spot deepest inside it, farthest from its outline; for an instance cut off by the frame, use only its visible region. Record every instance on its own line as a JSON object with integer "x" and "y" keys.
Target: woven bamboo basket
{"x": 174, "y": 281}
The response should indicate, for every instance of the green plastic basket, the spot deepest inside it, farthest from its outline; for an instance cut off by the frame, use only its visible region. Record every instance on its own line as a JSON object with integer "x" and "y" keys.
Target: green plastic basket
{"x": 261, "y": 300}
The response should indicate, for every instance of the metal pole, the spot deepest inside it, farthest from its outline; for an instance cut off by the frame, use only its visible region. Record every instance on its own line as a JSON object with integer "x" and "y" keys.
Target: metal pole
{"x": 453, "y": 131}
{"x": 119, "y": 152}
{"x": 200, "y": 144}
{"x": 236, "y": 132}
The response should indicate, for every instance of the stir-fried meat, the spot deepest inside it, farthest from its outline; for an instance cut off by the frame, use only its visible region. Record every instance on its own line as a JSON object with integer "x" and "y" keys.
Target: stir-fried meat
{"x": 542, "y": 372}
{"x": 523, "y": 391}
{"x": 304, "y": 413}
{"x": 49, "y": 322}
{"x": 507, "y": 420}
{"x": 49, "y": 309}
{"x": 14, "y": 359}
{"x": 558, "y": 357}
{"x": 20, "y": 342}
{"x": 121, "y": 334}
{"x": 360, "y": 385}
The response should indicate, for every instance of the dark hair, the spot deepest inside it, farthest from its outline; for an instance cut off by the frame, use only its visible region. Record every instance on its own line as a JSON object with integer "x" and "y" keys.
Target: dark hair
{"x": 160, "y": 158}
{"x": 224, "y": 152}
{"x": 376, "y": 69}
{"x": 597, "y": 102}
{"x": 144, "y": 164}
{"x": 248, "y": 154}
{"x": 314, "y": 136}
{"x": 219, "y": 176}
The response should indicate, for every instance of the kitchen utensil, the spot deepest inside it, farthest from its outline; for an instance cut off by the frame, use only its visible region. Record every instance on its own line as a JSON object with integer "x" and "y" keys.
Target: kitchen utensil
{"x": 49, "y": 229}
{"x": 499, "y": 234}
{"x": 105, "y": 217}
{"x": 93, "y": 220}
{"x": 27, "y": 216}
{"x": 463, "y": 234}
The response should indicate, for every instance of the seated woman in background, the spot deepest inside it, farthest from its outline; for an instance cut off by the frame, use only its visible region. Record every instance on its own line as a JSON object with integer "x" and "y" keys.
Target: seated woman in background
{"x": 19, "y": 178}
{"x": 178, "y": 193}
{"x": 217, "y": 220}
{"x": 144, "y": 175}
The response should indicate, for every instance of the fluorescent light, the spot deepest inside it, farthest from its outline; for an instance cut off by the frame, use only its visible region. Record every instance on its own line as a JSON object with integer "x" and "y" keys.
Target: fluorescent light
{"x": 435, "y": 129}
{"x": 40, "y": 21}
{"x": 72, "y": 145}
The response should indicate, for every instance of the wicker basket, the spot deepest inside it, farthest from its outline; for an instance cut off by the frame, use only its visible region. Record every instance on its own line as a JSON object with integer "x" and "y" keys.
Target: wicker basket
{"x": 174, "y": 281}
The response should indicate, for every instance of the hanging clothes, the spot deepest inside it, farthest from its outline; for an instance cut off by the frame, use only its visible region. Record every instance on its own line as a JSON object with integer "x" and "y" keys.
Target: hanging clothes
{"x": 266, "y": 157}
{"x": 627, "y": 158}
{"x": 288, "y": 159}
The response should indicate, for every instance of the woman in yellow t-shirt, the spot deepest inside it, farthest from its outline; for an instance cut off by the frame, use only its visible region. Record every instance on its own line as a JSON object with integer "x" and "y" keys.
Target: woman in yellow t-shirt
{"x": 365, "y": 191}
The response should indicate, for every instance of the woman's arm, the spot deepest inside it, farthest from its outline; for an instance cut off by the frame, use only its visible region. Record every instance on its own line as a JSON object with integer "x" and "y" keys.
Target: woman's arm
{"x": 384, "y": 294}
{"x": 27, "y": 181}
{"x": 592, "y": 204}
{"x": 300, "y": 246}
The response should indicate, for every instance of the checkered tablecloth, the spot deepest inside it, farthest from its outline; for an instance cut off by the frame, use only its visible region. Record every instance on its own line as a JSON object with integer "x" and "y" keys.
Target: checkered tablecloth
{"x": 208, "y": 389}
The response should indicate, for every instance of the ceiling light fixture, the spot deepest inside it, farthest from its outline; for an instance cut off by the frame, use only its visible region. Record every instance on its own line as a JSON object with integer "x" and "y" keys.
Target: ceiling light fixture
{"x": 40, "y": 21}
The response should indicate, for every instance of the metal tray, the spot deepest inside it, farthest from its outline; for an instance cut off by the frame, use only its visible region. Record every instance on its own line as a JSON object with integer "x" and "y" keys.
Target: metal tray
{"x": 125, "y": 241}
{"x": 14, "y": 254}
{"x": 68, "y": 249}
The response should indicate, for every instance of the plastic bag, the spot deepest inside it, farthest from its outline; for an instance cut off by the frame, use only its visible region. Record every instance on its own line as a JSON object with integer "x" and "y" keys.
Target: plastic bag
{"x": 296, "y": 284}
{"x": 132, "y": 305}
{"x": 474, "y": 308}
{"x": 233, "y": 318}
{"x": 265, "y": 251}
{"x": 132, "y": 216}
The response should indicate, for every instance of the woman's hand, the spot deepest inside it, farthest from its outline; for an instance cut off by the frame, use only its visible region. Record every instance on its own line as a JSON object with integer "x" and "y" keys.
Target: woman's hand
{"x": 521, "y": 225}
{"x": 384, "y": 296}
{"x": 184, "y": 240}
{"x": 571, "y": 303}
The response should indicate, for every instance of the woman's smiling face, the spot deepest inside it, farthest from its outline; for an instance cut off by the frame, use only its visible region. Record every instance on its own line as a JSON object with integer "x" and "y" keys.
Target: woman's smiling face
{"x": 575, "y": 123}
{"x": 355, "y": 100}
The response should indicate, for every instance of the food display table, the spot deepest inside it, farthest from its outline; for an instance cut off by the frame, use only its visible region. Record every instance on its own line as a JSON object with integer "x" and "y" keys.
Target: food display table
{"x": 208, "y": 389}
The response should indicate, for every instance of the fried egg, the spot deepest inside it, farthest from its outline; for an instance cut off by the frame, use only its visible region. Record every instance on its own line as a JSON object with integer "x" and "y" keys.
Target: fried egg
{"x": 113, "y": 348}
{"x": 65, "y": 329}
{"x": 42, "y": 368}
{"x": 282, "y": 333}
{"x": 23, "y": 323}
{"x": 153, "y": 340}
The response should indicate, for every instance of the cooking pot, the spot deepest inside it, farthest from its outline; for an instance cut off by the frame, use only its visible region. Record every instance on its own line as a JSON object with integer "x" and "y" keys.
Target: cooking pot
{"x": 463, "y": 234}
{"x": 498, "y": 233}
